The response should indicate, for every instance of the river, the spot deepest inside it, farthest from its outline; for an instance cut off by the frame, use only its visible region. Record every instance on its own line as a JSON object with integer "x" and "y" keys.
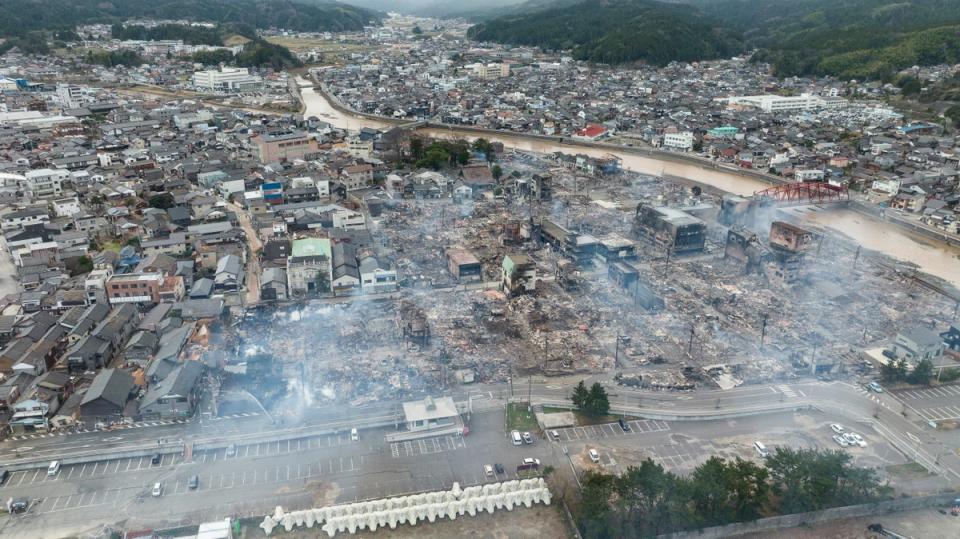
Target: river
{"x": 929, "y": 255}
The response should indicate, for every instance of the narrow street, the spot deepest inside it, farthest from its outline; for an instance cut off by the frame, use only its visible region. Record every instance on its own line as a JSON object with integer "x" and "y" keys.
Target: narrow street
{"x": 254, "y": 245}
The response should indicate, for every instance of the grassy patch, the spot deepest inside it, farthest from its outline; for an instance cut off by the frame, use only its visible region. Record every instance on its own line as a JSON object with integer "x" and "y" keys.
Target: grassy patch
{"x": 518, "y": 418}
{"x": 585, "y": 420}
{"x": 234, "y": 40}
{"x": 907, "y": 471}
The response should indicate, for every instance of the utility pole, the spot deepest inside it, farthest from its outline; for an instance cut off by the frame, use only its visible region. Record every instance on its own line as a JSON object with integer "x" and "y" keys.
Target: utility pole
{"x": 529, "y": 391}
{"x": 666, "y": 267}
{"x": 546, "y": 350}
{"x": 690, "y": 344}
{"x": 856, "y": 256}
{"x": 763, "y": 329}
{"x": 511, "y": 381}
{"x": 616, "y": 352}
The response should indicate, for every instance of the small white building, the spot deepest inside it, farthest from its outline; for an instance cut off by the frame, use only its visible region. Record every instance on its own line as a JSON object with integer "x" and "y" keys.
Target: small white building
{"x": 66, "y": 207}
{"x": 431, "y": 414}
{"x": 808, "y": 175}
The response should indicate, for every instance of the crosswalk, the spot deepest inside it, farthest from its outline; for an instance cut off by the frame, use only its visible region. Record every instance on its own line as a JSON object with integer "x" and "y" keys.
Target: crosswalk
{"x": 787, "y": 390}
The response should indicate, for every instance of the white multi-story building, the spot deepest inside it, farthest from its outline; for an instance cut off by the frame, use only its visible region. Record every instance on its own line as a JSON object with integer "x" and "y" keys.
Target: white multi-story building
{"x": 808, "y": 175}
{"x": 490, "y": 71}
{"x": 70, "y": 97}
{"x": 227, "y": 80}
{"x": 779, "y": 103}
{"x": 679, "y": 141}
{"x": 45, "y": 182}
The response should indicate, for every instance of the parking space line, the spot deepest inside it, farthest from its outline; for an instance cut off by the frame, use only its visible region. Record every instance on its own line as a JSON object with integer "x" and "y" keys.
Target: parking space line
{"x": 117, "y": 469}
{"x": 72, "y": 468}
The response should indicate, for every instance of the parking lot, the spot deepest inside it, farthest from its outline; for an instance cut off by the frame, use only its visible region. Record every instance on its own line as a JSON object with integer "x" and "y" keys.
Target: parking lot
{"x": 606, "y": 430}
{"x": 932, "y": 403}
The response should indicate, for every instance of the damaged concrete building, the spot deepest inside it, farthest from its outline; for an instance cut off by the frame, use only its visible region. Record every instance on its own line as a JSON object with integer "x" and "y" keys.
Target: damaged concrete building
{"x": 670, "y": 229}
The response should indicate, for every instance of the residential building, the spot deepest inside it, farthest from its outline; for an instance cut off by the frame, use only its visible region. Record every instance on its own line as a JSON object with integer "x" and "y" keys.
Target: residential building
{"x": 357, "y": 176}
{"x": 918, "y": 343}
{"x": 45, "y": 182}
{"x": 309, "y": 267}
{"x": 107, "y": 396}
{"x": 519, "y": 274}
{"x": 134, "y": 288}
{"x": 678, "y": 141}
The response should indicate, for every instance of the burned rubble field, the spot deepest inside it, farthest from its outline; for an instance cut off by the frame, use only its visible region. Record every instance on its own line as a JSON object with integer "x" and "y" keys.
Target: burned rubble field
{"x": 704, "y": 329}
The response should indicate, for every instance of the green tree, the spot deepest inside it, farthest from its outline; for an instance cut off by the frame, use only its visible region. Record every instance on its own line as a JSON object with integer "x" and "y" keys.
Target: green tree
{"x": 922, "y": 373}
{"x": 497, "y": 172}
{"x": 598, "y": 403}
{"x": 417, "y": 30}
{"x": 895, "y": 370}
{"x": 595, "y": 515}
{"x": 580, "y": 396}
{"x": 416, "y": 148}
{"x": 162, "y": 201}
{"x": 84, "y": 265}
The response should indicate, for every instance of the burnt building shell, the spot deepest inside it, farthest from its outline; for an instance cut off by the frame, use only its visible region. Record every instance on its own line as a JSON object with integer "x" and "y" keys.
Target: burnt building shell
{"x": 670, "y": 228}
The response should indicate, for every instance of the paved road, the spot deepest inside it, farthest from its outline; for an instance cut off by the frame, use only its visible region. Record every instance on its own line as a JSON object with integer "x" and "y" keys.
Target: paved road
{"x": 313, "y": 470}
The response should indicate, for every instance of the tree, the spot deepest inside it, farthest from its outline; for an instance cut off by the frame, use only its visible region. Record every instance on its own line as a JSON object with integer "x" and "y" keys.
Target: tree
{"x": 497, "y": 172}
{"x": 417, "y": 30}
{"x": 162, "y": 201}
{"x": 922, "y": 373}
{"x": 895, "y": 370}
{"x": 580, "y": 395}
{"x": 598, "y": 403}
{"x": 416, "y": 148}
{"x": 595, "y": 507}
{"x": 84, "y": 265}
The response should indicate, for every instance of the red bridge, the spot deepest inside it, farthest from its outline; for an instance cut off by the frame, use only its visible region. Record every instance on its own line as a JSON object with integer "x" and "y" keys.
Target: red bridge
{"x": 803, "y": 193}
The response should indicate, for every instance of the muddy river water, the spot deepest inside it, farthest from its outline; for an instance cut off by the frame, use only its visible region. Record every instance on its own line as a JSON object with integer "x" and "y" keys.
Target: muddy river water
{"x": 929, "y": 255}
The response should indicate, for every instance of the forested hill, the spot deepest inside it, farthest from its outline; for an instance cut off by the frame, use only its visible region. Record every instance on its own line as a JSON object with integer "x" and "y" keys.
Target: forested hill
{"x": 22, "y": 16}
{"x": 616, "y": 31}
{"x": 846, "y": 38}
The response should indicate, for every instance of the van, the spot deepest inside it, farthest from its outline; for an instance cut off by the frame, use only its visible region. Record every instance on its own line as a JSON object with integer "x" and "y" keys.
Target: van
{"x": 762, "y": 449}
{"x": 354, "y": 435}
{"x": 53, "y": 468}
{"x": 517, "y": 440}
{"x": 555, "y": 435}
{"x": 594, "y": 456}
{"x": 488, "y": 470}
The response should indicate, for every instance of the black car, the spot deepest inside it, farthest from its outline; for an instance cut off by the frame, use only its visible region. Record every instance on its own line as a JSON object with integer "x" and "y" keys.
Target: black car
{"x": 624, "y": 425}
{"x": 155, "y": 459}
{"x": 194, "y": 482}
{"x": 19, "y": 505}
{"x": 498, "y": 467}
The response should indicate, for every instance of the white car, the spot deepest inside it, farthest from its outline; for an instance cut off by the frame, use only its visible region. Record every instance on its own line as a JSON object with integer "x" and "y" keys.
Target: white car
{"x": 594, "y": 456}
{"x": 157, "y": 490}
{"x": 853, "y": 438}
{"x": 528, "y": 460}
{"x": 837, "y": 428}
{"x": 488, "y": 470}
{"x": 841, "y": 441}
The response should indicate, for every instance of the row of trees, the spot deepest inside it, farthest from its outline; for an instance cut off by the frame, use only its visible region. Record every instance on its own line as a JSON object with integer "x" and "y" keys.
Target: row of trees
{"x": 437, "y": 154}
{"x": 897, "y": 370}
{"x": 647, "y": 500}
{"x": 593, "y": 401}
